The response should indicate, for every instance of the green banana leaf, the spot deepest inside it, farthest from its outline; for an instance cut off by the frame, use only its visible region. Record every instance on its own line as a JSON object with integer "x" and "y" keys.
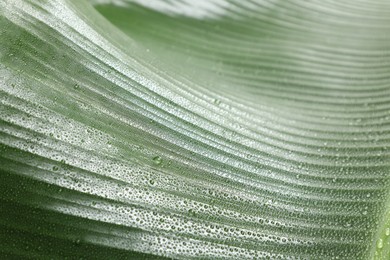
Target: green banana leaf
{"x": 210, "y": 129}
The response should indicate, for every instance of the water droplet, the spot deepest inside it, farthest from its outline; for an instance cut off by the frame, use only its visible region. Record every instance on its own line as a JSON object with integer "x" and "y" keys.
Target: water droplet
{"x": 379, "y": 243}
{"x": 217, "y": 101}
{"x": 157, "y": 160}
{"x": 55, "y": 168}
{"x": 387, "y": 232}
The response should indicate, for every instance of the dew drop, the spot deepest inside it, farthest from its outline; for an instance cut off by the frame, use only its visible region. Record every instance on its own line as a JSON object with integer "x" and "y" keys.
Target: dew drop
{"x": 157, "y": 160}
{"x": 379, "y": 243}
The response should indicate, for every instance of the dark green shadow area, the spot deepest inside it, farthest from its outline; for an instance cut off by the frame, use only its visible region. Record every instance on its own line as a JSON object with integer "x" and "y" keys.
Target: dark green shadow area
{"x": 30, "y": 232}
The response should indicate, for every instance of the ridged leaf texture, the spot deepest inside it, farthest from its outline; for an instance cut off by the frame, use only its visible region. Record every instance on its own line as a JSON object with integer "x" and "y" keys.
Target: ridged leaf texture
{"x": 218, "y": 129}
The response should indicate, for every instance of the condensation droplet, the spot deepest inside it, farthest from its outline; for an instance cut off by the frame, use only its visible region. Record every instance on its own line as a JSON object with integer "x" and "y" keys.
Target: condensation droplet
{"x": 157, "y": 160}
{"x": 379, "y": 243}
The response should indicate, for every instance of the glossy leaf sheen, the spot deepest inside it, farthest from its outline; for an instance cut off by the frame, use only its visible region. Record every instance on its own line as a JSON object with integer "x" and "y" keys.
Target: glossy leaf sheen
{"x": 195, "y": 129}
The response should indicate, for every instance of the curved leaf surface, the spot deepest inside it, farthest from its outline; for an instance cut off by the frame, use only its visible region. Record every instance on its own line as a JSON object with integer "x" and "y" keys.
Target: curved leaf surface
{"x": 195, "y": 129}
